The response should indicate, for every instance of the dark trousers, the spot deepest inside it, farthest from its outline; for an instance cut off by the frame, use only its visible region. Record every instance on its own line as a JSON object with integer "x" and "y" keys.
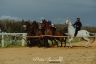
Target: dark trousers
{"x": 76, "y": 32}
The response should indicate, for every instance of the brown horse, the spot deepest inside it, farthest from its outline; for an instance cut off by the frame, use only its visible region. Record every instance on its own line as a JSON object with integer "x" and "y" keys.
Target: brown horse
{"x": 50, "y": 30}
{"x": 58, "y": 40}
{"x": 45, "y": 30}
{"x": 32, "y": 29}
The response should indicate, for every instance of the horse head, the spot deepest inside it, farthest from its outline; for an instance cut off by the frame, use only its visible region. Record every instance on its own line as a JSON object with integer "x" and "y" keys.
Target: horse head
{"x": 68, "y": 22}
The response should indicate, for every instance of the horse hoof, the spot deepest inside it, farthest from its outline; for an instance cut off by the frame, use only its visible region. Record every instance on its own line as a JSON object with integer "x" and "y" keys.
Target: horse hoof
{"x": 65, "y": 46}
{"x": 70, "y": 47}
{"x": 86, "y": 46}
{"x": 60, "y": 46}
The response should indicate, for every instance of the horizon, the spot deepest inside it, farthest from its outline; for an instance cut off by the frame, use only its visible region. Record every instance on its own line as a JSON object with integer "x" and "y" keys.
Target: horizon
{"x": 20, "y": 20}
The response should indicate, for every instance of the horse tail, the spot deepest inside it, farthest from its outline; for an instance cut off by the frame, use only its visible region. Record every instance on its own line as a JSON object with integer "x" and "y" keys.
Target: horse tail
{"x": 88, "y": 33}
{"x": 92, "y": 37}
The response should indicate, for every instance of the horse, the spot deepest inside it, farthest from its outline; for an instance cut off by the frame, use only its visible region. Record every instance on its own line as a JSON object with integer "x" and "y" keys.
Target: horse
{"x": 60, "y": 40}
{"x": 44, "y": 31}
{"x": 32, "y": 29}
{"x": 81, "y": 33}
{"x": 51, "y": 31}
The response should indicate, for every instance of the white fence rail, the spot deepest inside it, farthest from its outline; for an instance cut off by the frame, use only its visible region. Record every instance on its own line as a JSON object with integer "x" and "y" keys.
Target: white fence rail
{"x": 24, "y": 36}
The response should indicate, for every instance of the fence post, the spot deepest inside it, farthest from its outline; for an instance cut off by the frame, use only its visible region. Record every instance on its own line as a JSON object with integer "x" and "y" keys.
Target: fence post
{"x": 24, "y": 39}
{"x": 2, "y": 41}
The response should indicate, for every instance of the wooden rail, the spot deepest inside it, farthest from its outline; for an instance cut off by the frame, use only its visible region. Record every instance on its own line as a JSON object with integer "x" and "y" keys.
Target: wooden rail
{"x": 24, "y": 36}
{"x": 53, "y": 36}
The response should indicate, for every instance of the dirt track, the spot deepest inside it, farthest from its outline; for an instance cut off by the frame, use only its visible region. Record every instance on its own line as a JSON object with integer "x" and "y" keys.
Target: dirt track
{"x": 35, "y": 55}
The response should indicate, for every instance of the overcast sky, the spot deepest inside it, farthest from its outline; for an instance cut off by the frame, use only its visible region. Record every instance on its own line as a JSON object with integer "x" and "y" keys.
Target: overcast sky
{"x": 55, "y": 10}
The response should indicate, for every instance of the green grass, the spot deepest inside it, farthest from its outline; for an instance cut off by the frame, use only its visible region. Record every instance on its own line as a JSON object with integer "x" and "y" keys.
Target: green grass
{"x": 75, "y": 40}
{"x": 10, "y": 41}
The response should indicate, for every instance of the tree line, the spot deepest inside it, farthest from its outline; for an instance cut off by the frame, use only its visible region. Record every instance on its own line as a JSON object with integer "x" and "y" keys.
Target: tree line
{"x": 13, "y": 26}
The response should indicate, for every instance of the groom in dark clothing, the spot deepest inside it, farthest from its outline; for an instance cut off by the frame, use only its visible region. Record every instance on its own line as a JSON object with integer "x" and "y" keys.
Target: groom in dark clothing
{"x": 77, "y": 26}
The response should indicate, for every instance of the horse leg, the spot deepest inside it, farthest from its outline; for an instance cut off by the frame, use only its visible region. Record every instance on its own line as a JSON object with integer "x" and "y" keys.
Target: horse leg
{"x": 61, "y": 44}
{"x": 62, "y": 39}
{"x": 29, "y": 44}
{"x": 51, "y": 39}
{"x": 65, "y": 41}
{"x": 87, "y": 43}
{"x": 56, "y": 42}
{"x": 46, "y": 41}
{"x": 69, "y": 41}
{"x": 39, "y": 42}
